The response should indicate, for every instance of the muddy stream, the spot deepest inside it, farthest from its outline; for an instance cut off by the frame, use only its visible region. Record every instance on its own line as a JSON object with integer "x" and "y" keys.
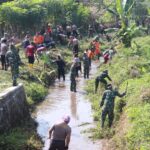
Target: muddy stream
{"x": 61, "y": 101}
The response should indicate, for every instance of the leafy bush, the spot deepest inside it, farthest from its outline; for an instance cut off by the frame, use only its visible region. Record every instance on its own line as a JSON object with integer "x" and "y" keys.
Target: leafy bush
{"x": 48, "y": 77}
{"x": 21, "y": 138}
{"x": 22, "y": 15}
{"x": 36, "y": 92}
{"x": 143, "y": 45}
{"x": 138, "y": 136}
{"x": 127, "y": 34}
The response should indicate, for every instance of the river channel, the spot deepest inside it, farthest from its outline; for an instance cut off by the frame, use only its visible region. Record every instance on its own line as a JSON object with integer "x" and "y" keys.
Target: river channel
{"x": 61, "y": 101}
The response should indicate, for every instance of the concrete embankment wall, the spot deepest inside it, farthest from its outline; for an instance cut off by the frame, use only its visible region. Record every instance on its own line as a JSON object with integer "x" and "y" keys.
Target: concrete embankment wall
{"x": 13, "y": 107}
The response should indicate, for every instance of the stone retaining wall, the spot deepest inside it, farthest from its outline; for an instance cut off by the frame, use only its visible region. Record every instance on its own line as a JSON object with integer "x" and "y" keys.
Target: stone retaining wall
{"x": 13, "y": 107}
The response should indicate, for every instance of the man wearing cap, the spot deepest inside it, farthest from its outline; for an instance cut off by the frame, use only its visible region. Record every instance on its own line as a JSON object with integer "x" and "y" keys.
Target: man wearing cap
{"x": 101, "y": 78}
{"x": 107, "y": 103}
{"x": 60, "y": 134}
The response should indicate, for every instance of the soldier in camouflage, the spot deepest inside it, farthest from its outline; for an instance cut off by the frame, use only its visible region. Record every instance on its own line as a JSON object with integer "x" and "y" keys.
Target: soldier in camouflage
{"x": 107, "y": 102}
{"x": 86, "y": 65}
{"x": 13, "y": 60}
{"x": 101, "y": 78}
{"x": 73, "y": 77}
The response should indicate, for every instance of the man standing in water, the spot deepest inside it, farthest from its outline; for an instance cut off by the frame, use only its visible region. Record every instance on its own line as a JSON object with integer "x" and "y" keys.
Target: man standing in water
{"x": 73, "y": 77}
{"x": 61, "y": 67}
{"x": 60, "y": 134}
{"x": 86, "y": 65}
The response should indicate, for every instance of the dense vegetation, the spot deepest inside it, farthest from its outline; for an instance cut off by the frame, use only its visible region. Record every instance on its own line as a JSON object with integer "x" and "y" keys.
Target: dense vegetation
{"x": 25, "y": 15}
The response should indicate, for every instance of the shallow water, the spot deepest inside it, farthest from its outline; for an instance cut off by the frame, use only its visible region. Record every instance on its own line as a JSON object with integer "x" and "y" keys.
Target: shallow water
{"x": 61, "y": 101}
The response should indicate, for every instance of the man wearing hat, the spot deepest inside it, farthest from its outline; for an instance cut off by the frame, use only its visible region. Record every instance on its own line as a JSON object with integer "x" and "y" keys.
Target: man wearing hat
{"x": 108, "y": 102}
{"x": 101, "y": 78}
{"x": 60, "y": 134}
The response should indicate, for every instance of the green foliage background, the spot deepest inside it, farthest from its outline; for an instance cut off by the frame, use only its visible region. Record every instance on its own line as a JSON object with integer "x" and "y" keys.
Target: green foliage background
{"x": 21, "y": 15}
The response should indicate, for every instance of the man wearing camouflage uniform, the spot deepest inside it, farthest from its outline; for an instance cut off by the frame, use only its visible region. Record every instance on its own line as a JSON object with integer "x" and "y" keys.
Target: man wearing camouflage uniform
{"x": 86, "y": 65}
{"x": 107, "y": 102}
{"x": 101, "y": 78}
{"x": 73, "y": 77}
{"x": 13, "y": 60}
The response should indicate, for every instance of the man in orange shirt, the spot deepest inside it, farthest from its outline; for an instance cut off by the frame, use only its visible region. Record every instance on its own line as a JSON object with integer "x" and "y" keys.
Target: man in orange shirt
{"x": 97, "y": 48}
{"x": 90, "y": 55}
{"x": 41, "y": 39}
{"x": 35, "y": 38}
{"x": 38, "y": 39}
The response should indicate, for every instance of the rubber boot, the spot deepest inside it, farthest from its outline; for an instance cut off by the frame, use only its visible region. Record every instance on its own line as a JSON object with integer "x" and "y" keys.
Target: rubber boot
{"x": 14, "y": 83}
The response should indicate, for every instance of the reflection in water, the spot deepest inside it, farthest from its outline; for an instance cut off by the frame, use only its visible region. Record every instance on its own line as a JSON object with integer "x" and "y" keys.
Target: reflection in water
{"x": 61, "y": 101}
{"x": 73, "y": 102}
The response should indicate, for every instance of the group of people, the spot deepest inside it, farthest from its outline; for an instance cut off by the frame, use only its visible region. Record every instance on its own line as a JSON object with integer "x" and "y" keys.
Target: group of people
{"x": 36, "y": 45}
{"x": 48, "y": 38}
{"x": 60, "y": 133}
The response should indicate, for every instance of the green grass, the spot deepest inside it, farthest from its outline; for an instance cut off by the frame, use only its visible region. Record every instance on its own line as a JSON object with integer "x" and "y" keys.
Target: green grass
{"x": 21, "y": 138}
{"x": 36, "y": 92}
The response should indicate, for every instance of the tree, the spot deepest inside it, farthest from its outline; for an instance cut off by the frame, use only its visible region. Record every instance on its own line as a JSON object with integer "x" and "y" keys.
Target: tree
{"x": 124, "y": 8}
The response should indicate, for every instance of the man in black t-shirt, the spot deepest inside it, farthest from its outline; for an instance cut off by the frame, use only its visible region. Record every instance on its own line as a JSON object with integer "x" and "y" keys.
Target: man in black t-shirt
{"x": 61, "y": 68}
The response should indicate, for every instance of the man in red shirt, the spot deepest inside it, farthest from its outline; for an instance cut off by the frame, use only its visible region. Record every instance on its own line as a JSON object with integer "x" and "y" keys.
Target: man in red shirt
{"x": 30, "y": 52}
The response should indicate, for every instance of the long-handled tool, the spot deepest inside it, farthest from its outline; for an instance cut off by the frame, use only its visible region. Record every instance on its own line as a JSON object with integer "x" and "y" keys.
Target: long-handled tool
{"x": 126, "y": 87}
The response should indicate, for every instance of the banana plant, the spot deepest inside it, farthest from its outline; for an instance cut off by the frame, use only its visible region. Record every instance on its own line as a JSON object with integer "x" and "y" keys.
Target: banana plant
{"x": 126, "y": 33}
{"x": 124, "y": 8}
